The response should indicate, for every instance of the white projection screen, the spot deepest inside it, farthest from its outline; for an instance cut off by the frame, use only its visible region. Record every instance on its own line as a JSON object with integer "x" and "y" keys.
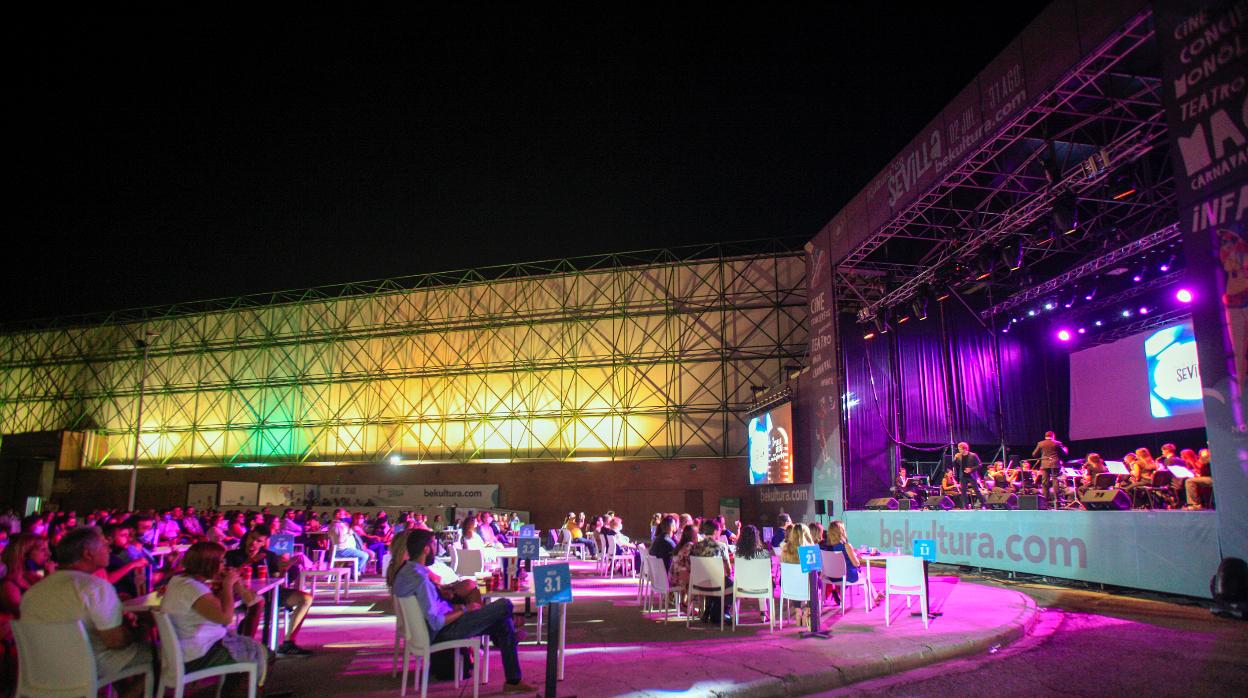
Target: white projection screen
{"x": 1144, "y": 384}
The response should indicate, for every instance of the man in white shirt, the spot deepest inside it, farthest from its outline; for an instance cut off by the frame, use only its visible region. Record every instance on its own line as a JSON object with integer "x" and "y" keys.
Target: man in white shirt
{"x": 343, "y": 538}
{"x": 74, "y": 592}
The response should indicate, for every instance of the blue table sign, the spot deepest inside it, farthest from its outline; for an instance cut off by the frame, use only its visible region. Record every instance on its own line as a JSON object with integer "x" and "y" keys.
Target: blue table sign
{"x": 812, "y": 561}
{"x": 282, "y": 544}
{"x": 925, "y": 549}
{"x": 553, "y": 584}
{"x": 527, "y": 548}
{"x": 527, "y": 531}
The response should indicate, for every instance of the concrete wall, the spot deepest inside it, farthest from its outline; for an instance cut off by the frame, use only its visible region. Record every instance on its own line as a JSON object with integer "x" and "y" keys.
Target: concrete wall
{"x": 633, "y": 489}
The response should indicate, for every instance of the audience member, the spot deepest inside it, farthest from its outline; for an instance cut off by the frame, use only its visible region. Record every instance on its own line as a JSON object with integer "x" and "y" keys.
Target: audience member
{"x": 711, "y": 546}
{"x": 27, "y": 560}
{"x": 253, "y": 552}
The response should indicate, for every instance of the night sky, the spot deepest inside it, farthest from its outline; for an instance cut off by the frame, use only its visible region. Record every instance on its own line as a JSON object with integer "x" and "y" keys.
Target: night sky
{"x": 160, "y": 161}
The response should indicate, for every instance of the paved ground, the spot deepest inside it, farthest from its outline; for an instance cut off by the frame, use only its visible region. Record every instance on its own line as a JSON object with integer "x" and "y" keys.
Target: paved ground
{"x": 615, "y": 650}
{"x": 1094, "y": 644}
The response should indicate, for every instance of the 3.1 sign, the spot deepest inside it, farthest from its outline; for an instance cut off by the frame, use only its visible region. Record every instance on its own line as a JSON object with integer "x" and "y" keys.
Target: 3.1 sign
{"x": 553, "y": 584}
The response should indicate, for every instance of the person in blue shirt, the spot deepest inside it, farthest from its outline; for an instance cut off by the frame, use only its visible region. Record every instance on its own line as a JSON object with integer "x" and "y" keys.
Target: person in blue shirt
{"x": 447, "y": 621}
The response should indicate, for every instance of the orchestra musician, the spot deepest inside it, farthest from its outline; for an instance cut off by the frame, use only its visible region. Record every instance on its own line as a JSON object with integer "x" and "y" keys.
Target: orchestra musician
{"x": 1050, "y": 451}
{"x": 969, "y": 470}
{"x": 1143, "y": 466}
{"x": 1093, "y": 466}
{"x": 949, "y": 485}
{"x": 902, "y": 489}
{"x": 999, "y": 478}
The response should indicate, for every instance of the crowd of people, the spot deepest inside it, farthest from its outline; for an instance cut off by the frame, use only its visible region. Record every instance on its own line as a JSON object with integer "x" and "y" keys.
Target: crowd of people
{"x": 1177, "y": 479}
{"x": 62, "y": 566}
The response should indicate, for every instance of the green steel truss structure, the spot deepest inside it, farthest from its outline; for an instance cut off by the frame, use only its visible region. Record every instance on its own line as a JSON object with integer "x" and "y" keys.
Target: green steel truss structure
{"x": 640, "y": 355}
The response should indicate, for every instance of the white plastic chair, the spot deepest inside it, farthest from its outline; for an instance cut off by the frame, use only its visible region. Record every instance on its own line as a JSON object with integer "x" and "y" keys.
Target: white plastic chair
{"x": 469, "y": 562}
{"x": 706, "y": 578}
{"x": 752, "y": 580}
{"x": 416, "y": 642}
{"x": 660, "y": 587}
{"x": 834, "y": 572}
{"x": 173, "y": 672}
{"x": 55, "y": 660}
{"x": 903, "y": 574}
{"x": 399, "y": 634}
{"x": 794, "y": 586}
{"x": 617, "y": 556}
{"x": 643, "y": 578}
{"x": 353, "y": 562}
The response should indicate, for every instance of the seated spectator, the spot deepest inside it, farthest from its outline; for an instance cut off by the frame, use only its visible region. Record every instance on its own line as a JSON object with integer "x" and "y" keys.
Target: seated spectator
{"x": 75, "y": 592}
{"x": 783, "y": 524}
{"x": 469, "y": 537}
{"x": 711, "y": 546}
{"x": 797, "y": 536}
{"x": 836, "y": 540}
{"x": 200, "y": 603}
{"x": 678, "y": 573}
{"x": 192, "y": 527}
{"x": 343, "y": 538}
{"x": 168, "y": 530}
{"x": 290, "y": 525}
{"x": 27, "y": 560}
{"x": 124, "y": 561}
{"x": 577, "y": 537}
{"x": 447, "y": 621}
{"x": 145, "y": 533}
{"x": 254, "y": 552}
{"x": 664, "y": 544}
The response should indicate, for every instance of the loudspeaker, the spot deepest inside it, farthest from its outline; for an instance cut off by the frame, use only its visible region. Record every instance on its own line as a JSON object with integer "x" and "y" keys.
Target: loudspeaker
{"x": 1002, "y": 499}
{"x": 1032, "y": 502}
{"x": 820, "y": 509}
{"x": 905, "y": 504}
{"x": 829, "y": 508}
{"x": 938, "y": 502}
{"x": 882, "y": 503}
{"x": 1106, "y": 500}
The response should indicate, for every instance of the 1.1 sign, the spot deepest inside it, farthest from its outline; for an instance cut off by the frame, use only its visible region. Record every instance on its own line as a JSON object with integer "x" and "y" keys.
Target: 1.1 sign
{"x": 811, "y": 560}
{"x": 553, "y": 584}
{"x": 925, "y": 549}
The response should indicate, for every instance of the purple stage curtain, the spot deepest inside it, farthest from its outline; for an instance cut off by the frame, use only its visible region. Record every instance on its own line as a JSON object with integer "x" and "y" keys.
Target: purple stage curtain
{"x": 869, "y": 415}
{"x": 975, "y": 382}
{"x": 924, "y": 383}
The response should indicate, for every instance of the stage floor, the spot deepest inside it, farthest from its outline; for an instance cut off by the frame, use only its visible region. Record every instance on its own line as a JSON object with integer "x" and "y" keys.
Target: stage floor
{"x": 1170, "y": 551}
{"x": 615, "y": 650}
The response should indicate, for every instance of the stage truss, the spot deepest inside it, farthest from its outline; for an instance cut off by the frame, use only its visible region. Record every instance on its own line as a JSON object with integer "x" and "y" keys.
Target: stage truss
{"x": 639, "y": 355}
{"x": 1098, "y": 132}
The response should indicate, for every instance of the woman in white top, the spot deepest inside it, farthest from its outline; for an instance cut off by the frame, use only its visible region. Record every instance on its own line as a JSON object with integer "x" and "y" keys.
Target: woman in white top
{"x": 471, "y": 539}
{"x": 200, "y": 602}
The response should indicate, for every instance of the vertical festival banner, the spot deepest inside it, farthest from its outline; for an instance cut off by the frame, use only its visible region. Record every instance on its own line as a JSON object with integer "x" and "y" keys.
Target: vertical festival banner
{"x": 820, "y": 394}
{"x": 1204, "y": 59}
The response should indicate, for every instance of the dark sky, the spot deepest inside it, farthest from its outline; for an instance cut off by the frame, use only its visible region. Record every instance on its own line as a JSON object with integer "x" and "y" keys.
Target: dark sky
{"x": 160, "y": 161}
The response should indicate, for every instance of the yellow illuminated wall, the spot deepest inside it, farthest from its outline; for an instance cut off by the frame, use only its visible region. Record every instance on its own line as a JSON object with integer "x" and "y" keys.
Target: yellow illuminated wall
{"x": 633, "y": 362}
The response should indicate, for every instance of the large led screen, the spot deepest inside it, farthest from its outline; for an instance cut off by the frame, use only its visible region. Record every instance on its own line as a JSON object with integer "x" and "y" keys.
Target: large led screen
{"x": 771, "y": 446}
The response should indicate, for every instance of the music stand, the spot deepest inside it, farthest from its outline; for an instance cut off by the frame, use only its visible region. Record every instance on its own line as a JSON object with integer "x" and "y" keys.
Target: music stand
{"x": 1117, "y": 467}
{"x": 1180, "y": 472}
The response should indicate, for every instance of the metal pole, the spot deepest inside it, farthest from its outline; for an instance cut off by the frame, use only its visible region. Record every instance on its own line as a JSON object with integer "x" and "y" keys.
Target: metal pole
{"x": 145, "y": 344}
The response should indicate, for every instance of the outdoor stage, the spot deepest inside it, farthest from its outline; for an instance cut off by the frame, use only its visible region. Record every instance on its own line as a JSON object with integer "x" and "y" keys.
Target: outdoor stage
{"x": 1170, "y": 551}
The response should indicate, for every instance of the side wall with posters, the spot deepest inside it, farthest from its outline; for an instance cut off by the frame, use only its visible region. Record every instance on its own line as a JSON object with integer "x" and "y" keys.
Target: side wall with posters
{"x": 818, "y": 394}
{"x": 1204, "y": 60}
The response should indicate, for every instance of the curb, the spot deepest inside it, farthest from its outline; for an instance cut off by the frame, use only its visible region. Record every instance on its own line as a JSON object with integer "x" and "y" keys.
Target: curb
{"x": 838, "y": 677}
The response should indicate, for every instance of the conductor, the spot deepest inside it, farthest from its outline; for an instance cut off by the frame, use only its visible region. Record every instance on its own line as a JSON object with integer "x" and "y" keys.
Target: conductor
{"x": 1050, "y": 451}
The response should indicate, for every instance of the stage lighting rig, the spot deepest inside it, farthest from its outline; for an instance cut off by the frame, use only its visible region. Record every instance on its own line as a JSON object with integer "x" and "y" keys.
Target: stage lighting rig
{"x": 1065, "y": 215}
{"x": 1012, "y": 255}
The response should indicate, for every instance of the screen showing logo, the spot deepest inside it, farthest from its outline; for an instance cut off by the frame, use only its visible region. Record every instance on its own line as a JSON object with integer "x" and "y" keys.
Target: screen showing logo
{"x": 771, "y": 447}
{"x": 1173, "y": 372}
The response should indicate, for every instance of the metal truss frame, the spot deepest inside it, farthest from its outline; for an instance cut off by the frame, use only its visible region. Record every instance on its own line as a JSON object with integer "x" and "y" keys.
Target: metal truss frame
{"x": 638, "y": 355}
{"x": 1109, "y": 105}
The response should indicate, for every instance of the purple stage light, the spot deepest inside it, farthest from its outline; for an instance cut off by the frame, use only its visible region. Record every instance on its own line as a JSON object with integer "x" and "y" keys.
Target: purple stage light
{"x": 1083, "y": 330}
{"x": 1049, "y": 306}
{"x": 1098, "y": 323}
{"x": 1137, "y": 278}
{"x": 1165, "y": 267}
{"x": 1184, "y": 295}
{"x": 1089, "y": 296}
{"x": 1063, "y": 335}
{"x": 1031, "y": 313}
{"x": 1143, "y": 310}
{"x": 1126, "y": 313}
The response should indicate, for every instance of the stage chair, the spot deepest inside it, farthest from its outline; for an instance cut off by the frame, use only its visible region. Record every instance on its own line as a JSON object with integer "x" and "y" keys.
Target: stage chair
{"x": 706, "y": 578}
{"x": 173, "y": 672}
{"x": 55, "y": 660}
{"x": 835, "y": 570}
{"x": 903, "y": 574}
{"x": 1162, "y": 479}
{"x": 752, "y": 580}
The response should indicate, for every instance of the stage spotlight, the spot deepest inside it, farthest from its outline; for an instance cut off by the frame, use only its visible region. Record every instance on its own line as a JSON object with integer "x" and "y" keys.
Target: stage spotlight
{"x": 395, "y": 459}
{"x": 1166, "y": 265}
{"x": 1006, "y": 329}
{"x": 1098, "y": 323}
{"x": 1183, "y": 295}
{"x": 1031, "y": 313}
{"x": 1065, "y": 214}
{"x": 943, "y": 295}
{"x": 918, "y": 307}
{"x": 983, "y": 269}
{"x": 1083, "y": 330}
{"x": 1143, "y": 310}
{"x": 1050, "y": 305}
{"x": 1064, "y": 335}
{"x": 1049, "y": 161}
{"x": 1139, "y": 275}
{"x": 881, "y": 327}
{"x": 1122, "y": 186}
{"x": 903, "y": 319}
{"x": 1126, "y": 313}
{"x": 1090, "y": 295}
{"x": 1012, "y": 255}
